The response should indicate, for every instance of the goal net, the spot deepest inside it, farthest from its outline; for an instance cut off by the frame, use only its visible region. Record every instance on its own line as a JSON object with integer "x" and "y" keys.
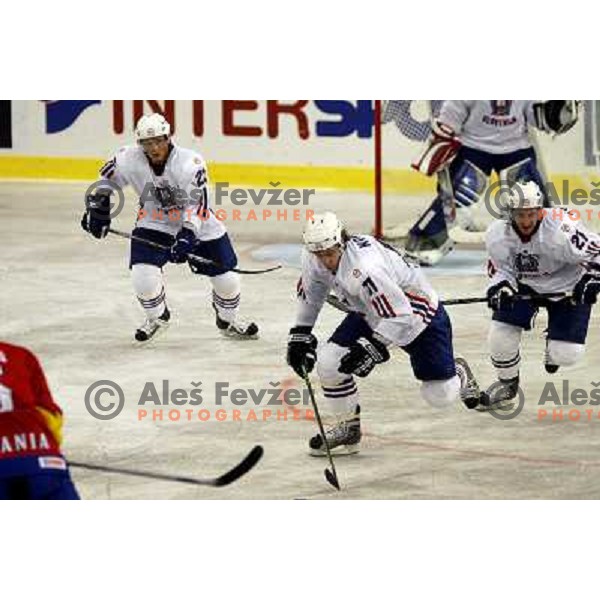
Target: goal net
{"x": 402, "y": 128}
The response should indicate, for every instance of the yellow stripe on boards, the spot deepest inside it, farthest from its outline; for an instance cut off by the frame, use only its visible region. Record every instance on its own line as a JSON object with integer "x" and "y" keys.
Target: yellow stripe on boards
{"x": 360, "y": 179}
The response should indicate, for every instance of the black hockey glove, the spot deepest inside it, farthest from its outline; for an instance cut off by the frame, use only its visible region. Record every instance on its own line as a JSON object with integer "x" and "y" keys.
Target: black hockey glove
{"x": 185, "y": 241}
{"x": 96, "y": 219}
{"x": 587, "y": 289}
{"x": 363, "y": 356}
{"x": 501, "y": 296}
{"x": 301, "y": 350}
{"x": 556, "y": 116}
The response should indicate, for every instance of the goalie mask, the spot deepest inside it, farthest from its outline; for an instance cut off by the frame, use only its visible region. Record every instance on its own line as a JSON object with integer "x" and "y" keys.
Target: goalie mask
{"x": 322, "y": 232}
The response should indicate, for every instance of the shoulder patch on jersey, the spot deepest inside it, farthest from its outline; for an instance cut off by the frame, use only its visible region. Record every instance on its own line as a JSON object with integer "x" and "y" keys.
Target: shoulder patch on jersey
{"x": 108, "y": 169}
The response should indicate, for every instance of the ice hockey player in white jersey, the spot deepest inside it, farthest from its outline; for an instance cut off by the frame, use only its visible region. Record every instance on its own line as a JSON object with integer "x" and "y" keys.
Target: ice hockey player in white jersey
{"x": 390, "y": 303}
{"x": 174, "y": 212}
{"x": 469, "y": 140}
{"x": 538, "y": 251}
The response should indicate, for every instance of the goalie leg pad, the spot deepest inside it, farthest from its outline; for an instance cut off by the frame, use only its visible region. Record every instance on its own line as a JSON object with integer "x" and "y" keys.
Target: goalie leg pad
{"x": 469, "y": 183}
{"x": 523, "y": 170}
{"x": 432, "y": 221}
{"x": 460, "y": 185}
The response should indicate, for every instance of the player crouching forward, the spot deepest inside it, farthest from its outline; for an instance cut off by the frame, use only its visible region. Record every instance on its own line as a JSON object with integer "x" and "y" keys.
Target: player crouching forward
{"x": 538, "y": 251}
{"x": 31, "y": 464}
{"x": 172, "y": 184}
{"x": 392, "y": 304}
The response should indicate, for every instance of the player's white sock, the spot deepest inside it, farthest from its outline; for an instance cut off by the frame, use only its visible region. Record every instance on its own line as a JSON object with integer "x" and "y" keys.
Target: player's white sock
{"x": 341, "y": 399}
{"x": 149, "y": 288}
{"x": 505, "y": 343}
{"x": 339, "y": 390}
{"x": 226, "y": 295}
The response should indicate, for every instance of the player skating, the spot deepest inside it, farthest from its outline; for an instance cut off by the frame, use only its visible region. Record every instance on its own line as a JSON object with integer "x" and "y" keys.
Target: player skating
{"x": 392, "y": 303}
{"x": 172, "y": 184}
{"x": 470, "y": 139}
{"x": 538, "y": 251}
{"x": 31, "y": 464}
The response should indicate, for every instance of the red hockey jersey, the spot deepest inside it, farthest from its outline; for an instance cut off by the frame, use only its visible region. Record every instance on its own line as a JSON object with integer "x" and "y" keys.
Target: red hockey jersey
{"x": 30, "y": 420}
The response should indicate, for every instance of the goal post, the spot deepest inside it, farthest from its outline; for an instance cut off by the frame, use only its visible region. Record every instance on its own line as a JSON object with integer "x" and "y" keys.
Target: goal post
{"x": 378, "y": 228}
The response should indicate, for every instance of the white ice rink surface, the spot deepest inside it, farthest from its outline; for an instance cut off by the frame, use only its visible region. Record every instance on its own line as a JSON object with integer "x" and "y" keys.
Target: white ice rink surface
{"x": 69, "y": 298}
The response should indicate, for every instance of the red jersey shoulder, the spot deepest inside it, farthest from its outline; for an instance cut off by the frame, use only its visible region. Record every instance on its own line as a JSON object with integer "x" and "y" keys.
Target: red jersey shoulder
{"x": 11, "y": 352}
{"x": 22, "y": 373}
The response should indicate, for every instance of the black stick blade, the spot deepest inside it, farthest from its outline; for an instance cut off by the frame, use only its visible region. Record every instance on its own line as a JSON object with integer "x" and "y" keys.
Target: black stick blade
{"x": 256, "y": 271}
{"x": 332, "y": 479}
{"x": 248, "y": 463}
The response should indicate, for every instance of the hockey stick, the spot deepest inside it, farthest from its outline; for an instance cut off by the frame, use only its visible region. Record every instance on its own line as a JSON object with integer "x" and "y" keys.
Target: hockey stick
{"x": 330, "y": 475}
{"x": 233, "y": 475}
{"x": 200, "y": 259}
{"x": 458, "y": 301}
{"x": 337, "y": 303}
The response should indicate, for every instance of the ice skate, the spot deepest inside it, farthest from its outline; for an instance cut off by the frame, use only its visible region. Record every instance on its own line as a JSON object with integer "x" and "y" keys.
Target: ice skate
{"x": 550, "y": 368}
{"x": 470, "y": 393}
{"x": 343, "y": 438}
{"x": 153, "y": 327}
{"x": 500, "y": 395}
{"x": 429, "y": 250}
{"x": 238, "y": 329}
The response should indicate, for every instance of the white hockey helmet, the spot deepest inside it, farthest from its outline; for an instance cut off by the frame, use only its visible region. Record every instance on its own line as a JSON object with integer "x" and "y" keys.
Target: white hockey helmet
{"x": 151, "y": 126}
{"x": 322, "y": 231}
{"x": 524, "y": 195}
